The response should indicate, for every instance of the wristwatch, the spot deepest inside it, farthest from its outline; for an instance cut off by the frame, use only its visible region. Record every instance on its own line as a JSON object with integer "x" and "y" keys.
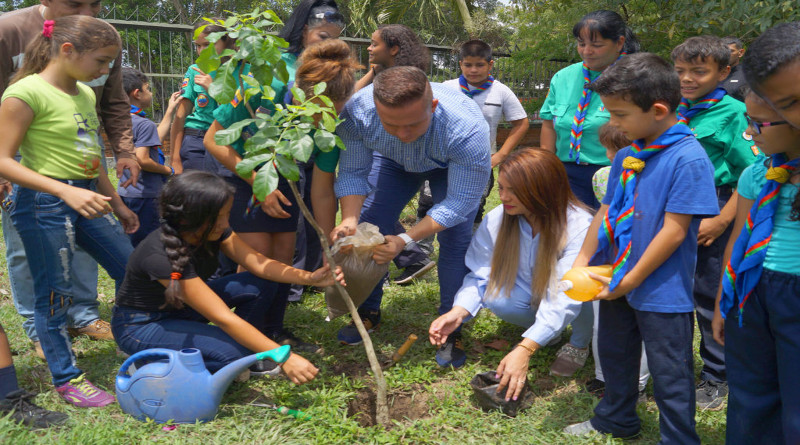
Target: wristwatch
{"x": 407, "y": 239}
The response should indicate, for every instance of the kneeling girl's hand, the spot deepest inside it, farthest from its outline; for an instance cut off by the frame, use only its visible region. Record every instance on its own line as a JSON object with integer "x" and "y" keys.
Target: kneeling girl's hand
{"x": 322, "y": 277}
{"x": 299, "y": 370}
{"x": 87, "y": 203}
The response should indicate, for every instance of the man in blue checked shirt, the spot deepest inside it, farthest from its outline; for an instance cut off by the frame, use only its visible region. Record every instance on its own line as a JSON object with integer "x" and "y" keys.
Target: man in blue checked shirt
{"x": 420, "y": 131}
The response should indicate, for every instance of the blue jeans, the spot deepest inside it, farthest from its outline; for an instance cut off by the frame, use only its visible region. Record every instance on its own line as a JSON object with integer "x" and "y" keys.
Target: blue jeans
{"x": 764, "y": 359}
{"x": 706, "y": 284}
{"x": 147, "y": 211}
{"x": 394, "y": 187}
{"x": 307, "y": 250}
{"x": 84, "y": 308}
{"x": 50, "y": 231}
{"x": 668, "y": 344}
{"x": 580, "y": 181}
{"x": 136, "y": 330}
{"x": 582, "y": 326}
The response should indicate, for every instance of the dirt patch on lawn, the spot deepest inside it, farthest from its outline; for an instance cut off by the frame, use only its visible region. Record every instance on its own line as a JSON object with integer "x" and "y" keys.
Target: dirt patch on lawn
{"x": 351, "y": 369}
{"x": 405, "y": 405}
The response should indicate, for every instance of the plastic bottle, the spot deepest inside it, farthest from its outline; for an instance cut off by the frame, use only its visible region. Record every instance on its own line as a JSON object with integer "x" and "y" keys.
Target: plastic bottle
{"x": 577, "y": 284}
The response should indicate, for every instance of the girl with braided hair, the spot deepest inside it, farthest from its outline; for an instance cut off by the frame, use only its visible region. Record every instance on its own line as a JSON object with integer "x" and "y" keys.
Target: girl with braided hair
{"x": 166, "y": 299}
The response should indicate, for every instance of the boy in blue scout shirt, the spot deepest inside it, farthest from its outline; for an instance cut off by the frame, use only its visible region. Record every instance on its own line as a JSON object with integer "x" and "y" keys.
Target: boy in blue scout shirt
{"x": 718, "y": 121}
{"x": 142, "y": 198}
{"x": 647, "y": 228}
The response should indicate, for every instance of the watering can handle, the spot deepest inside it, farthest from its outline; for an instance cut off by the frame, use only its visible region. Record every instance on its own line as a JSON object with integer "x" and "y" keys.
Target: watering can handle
{"x": 278, "y": 355}
{"x": 123, "y": 378}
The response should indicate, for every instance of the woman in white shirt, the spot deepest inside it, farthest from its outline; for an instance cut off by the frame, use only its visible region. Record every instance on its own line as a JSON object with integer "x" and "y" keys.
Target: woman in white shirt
{"x": 516, "y": 257}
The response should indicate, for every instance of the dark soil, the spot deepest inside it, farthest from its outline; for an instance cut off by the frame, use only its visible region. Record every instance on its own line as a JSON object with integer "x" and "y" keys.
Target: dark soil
{"x": 410, "y": 404}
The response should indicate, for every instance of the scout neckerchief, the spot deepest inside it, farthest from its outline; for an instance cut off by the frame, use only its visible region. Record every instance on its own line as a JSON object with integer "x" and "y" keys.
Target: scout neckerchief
{"x": 462, "y": 82}
{"x": 580, "y": 114}
{"x": 139, "y": 112}
{"x": 686, "y": 111}
{"x": 617, "y": 224}
{"x": 747, "y": 259}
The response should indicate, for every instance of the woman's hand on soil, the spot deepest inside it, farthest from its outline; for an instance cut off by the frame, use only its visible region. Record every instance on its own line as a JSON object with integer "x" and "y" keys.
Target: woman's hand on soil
{"x": 513, "y": 371}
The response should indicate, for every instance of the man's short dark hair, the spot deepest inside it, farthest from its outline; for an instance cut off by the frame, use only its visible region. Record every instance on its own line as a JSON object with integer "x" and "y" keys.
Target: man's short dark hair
{"x": 475, "y": 48}
{"x": 132, "y": 79}
{"x": 641, "y": 78}
{"x": 702, "y": 48}
{"x": 773, "y": 50}
{"x": 733, "y": 40}
{"x": 400, "y": 85}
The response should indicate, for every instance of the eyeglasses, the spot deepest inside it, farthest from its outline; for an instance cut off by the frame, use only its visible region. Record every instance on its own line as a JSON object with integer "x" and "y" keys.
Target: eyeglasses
{"x": 757, "y": 126}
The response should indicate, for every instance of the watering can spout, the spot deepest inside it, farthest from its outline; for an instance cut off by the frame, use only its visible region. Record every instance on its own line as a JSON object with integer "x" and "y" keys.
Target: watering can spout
{"x": 222, "y": 378}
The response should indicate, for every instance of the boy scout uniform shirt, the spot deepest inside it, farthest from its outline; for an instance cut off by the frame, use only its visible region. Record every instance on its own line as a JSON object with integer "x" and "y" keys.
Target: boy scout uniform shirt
{"x": 721, "y": 131}
{"x": 566, "y": 88}
{"x": 204, "y": 105}
{"x": 236, "y": 111}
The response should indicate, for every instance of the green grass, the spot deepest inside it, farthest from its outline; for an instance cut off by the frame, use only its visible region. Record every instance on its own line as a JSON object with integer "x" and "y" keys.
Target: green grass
{"x": 440, "y": 401}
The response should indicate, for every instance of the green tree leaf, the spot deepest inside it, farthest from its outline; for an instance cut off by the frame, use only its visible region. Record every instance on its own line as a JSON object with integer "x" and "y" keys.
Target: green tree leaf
{"x": 245, "y": 167}
{"x": 320, "y": 88}
{"x": 266, "y": 181}
{"x": 288, "y": 168}
{"x": 301, "y": 148}
{"x": 224, "y": 85}
{"x": 231, "y": 134}
{"x": 299, "y": 95}
{"x": 208, "y": 60}
{"x": 328, "y": 122}
{"x": 324, "y": 140}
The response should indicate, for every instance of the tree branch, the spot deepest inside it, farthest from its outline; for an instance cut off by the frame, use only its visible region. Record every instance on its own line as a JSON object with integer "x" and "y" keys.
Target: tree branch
{"x": 381, "y": 404}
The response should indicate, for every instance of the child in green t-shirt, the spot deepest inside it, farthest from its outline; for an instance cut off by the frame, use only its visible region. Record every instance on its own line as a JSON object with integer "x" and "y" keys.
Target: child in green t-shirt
{"x": 64, "y": 196}
{"x": 196, "y": 109}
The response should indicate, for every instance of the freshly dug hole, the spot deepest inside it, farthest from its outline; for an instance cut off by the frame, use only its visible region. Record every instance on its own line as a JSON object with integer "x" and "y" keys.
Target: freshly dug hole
{"x": 403, "y": 405}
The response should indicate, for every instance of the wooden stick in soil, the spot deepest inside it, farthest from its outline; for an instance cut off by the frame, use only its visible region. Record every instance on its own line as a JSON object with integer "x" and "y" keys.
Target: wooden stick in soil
{"x": 381, "y": 404}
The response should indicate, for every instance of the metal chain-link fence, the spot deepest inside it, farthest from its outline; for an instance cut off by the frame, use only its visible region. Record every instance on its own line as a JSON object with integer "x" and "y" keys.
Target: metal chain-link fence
{"x": 163, "y": 51}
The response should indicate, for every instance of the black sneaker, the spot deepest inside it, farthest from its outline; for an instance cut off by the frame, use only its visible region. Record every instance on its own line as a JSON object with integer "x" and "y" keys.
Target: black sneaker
{"x": 265, "y": 367}
{"x": 711, "y": 395}
{"x": 451, "y": 353}
{"x": 349, "y": 335}
{"x": 414, "y": 271}
{"x": 595, "y": 387}
{"x": 19, "y": 404}
{"x": 287, "y": 338}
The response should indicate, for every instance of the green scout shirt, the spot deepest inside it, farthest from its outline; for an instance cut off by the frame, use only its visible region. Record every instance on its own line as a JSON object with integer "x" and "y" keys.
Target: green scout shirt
{"x": 326, "y": 161}
{"x": 721, "y": 131}
{"x": 566, "y": 89}
{"x": 204, "y": 105}
{"x": 236, "y": 111}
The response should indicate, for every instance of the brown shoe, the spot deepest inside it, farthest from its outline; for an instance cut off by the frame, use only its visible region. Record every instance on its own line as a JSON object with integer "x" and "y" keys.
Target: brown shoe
{"x": 37, "y": 346}
{"x": 96, "y": 330}
{"x": 568, "y": 360}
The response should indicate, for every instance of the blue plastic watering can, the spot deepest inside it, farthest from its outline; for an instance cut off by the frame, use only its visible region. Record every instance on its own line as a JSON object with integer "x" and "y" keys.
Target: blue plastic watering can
{"x": 176, "y": 386}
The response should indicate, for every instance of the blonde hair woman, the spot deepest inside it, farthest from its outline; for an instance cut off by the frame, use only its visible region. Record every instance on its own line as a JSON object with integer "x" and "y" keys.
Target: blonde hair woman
{"x": 518, "y": 253}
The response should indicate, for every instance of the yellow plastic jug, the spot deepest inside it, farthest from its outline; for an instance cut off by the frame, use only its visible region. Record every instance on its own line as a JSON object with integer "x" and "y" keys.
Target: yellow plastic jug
{"x": 577, "y": 284}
